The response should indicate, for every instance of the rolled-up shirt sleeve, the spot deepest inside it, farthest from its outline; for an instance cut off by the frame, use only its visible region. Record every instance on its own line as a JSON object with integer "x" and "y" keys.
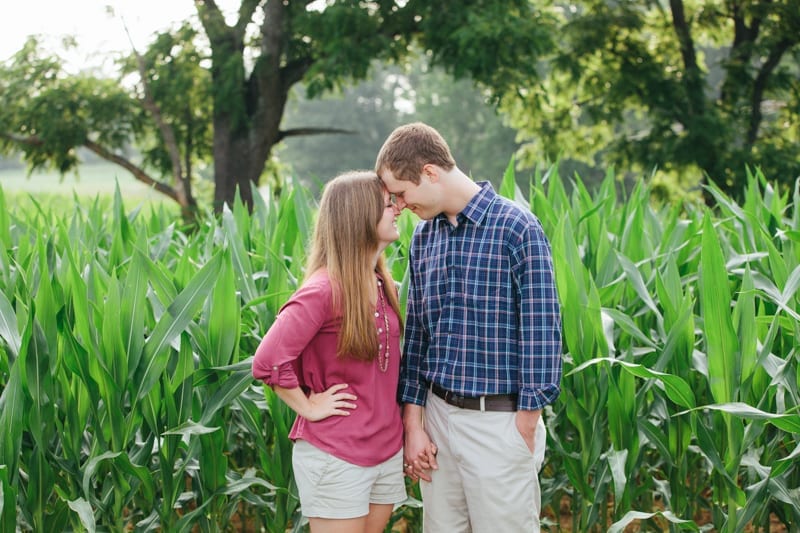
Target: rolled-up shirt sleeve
{"x": 540, "y": 364}
{"x": 277, "y": 358}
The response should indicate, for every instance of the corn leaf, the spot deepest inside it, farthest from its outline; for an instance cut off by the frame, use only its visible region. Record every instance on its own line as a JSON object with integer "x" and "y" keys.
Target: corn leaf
{"x": 620, "y": 525}
{"x": 787, "y": 422}
{"x": 676, "y": 388}
{"x": 172, "y": 323}
{"x": 12, "y": 418}
{"x": 9, "y": 331}
{"x": 224, "y": 316}
{"x": 85, "y": 514}
{"x": 722, "y": 347}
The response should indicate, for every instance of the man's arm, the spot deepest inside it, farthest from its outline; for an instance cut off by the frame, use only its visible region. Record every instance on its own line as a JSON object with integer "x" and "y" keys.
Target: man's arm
{"x": 419, "y": 452}
{"x": 526, "y": 425}
{"x": 540, "y": 320}
{"x": 412, "y": 383}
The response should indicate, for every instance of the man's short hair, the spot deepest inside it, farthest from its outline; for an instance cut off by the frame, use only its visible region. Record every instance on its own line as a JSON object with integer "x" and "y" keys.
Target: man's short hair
{"x": 410, "y": 147}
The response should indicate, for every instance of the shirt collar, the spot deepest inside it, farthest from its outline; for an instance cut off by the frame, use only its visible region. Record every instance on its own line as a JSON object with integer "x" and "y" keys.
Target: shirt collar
{"x": 475, "y": 211}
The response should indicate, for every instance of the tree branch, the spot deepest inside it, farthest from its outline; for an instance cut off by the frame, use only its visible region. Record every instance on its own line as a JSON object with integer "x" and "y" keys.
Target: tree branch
{"x": 212, "y": 20}
{"x": 246, "y": 10}
{"x": 684, "y": 34}
{"x": 299, "y": 132}
{"x": 137, "y": 172}
{"x": 741, "y": 52}
{"x": 693, "y": 85}
{"x": 30, "y": 141}
{"x": 760, "y": 86}
{"x": 167, "y": 133}
{"x": 294, "y": 71}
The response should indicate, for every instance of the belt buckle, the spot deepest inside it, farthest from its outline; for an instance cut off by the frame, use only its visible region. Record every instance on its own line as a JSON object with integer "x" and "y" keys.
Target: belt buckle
{"x": 453, "y": 399}
{"x": 460, "y": 401}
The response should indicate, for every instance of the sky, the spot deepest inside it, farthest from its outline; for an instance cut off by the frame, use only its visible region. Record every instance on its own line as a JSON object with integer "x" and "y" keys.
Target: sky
{"x": 98, "y": 34}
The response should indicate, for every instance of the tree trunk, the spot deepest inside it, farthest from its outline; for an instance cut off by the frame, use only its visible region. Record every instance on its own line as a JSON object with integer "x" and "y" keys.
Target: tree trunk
{"x": 240, "y": 157}
{"x": 247, "y": 110}
{"x": 693, "y": 114}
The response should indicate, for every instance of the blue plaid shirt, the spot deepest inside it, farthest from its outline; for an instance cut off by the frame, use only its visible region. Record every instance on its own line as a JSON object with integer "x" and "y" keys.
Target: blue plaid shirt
{"x": 482, "y": 316}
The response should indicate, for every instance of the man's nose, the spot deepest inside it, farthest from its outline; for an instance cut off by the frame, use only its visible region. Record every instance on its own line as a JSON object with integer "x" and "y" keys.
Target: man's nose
{"x": 399, "y": 205}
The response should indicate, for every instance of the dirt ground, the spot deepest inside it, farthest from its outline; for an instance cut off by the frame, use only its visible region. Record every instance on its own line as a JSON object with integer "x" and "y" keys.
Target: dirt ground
{"x": 565, "y": 522}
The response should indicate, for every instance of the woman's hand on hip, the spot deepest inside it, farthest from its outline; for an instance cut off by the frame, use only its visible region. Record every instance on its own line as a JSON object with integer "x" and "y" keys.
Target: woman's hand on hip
{"x": 331, "y": 402}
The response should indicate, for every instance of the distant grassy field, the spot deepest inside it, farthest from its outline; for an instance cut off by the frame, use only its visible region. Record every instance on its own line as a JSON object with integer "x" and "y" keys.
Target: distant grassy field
{"x": 93, "y": 180}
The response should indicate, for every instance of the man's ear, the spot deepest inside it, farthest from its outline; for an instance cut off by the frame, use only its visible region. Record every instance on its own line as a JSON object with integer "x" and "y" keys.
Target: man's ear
{"x": 432, "y": 171}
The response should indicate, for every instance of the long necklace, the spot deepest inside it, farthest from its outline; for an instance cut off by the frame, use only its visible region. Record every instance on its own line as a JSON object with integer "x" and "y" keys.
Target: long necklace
{"x": 383, "y": 358}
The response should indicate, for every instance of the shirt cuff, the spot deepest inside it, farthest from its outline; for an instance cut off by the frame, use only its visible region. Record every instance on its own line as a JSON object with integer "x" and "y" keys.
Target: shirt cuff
{"x": 414, "y": 393}
{"x": 281, "y": 375}
{"x": 537, "y": 399}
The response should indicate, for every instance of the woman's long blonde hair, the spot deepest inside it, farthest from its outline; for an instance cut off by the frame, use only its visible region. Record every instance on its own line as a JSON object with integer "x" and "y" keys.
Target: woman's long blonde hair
{"x": 345, "y": 243}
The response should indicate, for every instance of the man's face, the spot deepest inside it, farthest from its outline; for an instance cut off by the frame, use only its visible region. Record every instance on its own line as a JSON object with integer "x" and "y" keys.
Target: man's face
{"x": 418, "y": 198}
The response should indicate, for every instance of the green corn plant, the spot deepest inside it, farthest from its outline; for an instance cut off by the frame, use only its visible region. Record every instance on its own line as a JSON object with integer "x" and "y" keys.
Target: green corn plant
{"x": 126, "y": 400}
{"x": 645, "y": 266}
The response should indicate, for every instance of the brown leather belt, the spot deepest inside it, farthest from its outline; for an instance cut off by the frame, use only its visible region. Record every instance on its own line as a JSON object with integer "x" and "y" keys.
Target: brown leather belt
{"x": 497, "y": 402}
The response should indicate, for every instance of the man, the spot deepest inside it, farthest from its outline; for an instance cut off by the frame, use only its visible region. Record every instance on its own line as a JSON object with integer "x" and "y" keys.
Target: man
{"x": 482, "y": 352}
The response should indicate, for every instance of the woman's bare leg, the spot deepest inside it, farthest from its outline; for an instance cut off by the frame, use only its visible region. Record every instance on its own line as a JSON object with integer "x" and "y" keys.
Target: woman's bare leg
{"x": 338, "y": 525}
{"x": 378, "y": 517}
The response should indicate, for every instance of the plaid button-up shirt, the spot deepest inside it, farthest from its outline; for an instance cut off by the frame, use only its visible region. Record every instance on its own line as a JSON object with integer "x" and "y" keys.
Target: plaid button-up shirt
{"x": 482, "y": 316}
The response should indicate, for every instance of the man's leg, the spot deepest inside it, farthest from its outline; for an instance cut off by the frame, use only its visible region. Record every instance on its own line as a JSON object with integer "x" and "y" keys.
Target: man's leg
{"x": 443, "y": 503}
{"x": 499, "y": 472}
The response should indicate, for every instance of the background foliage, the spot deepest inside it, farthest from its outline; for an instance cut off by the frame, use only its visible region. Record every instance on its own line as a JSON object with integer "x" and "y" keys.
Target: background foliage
{"x": 698, "y": 89}
{"x": 127, "y": 399}
{"x": 125, "y": 393}
{"x": 214, "y": 90}
{"x": 392, "y": 96}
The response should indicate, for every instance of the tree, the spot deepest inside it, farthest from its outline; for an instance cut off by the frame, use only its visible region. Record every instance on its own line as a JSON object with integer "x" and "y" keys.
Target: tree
{"x": 680, "y": 85}
{"x": 48, "y": 115}
{"x": 394, "y": 94}
{"x": 252, "y": 65}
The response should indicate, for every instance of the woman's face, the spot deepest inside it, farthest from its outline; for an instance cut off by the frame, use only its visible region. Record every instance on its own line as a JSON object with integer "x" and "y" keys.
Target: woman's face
{"x": 387, "y": 225}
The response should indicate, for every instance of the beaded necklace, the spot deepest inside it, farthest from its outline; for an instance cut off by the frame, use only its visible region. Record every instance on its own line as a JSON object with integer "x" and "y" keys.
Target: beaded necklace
{"x": 383, "y": 358}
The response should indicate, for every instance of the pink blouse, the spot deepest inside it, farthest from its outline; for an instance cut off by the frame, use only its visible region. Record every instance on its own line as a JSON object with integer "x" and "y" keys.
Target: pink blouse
{"x": 300, "y": 349}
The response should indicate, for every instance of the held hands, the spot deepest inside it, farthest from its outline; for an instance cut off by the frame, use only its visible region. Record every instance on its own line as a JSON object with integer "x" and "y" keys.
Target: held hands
{"x": 321, "y": 405}
{"x": 419, "y": 456}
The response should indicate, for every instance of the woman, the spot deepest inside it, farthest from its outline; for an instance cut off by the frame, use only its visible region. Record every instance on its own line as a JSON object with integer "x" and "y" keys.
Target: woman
{"x": 333, "y": 355}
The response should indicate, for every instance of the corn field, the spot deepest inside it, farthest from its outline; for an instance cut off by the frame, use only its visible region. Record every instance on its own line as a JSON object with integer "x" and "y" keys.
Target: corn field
{"x": 127, "y": 401}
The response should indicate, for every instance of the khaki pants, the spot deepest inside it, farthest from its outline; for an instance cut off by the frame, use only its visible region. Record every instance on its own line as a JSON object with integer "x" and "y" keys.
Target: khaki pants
{"x": 487, "y": 481}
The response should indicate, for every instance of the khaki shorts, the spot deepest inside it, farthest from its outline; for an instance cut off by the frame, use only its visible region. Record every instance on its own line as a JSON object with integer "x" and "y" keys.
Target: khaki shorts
{"x": 332, "y": 488}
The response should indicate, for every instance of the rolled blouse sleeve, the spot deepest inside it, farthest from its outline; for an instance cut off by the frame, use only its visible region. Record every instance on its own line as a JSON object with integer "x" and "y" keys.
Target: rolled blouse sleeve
{"x": 277, "y": 359}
